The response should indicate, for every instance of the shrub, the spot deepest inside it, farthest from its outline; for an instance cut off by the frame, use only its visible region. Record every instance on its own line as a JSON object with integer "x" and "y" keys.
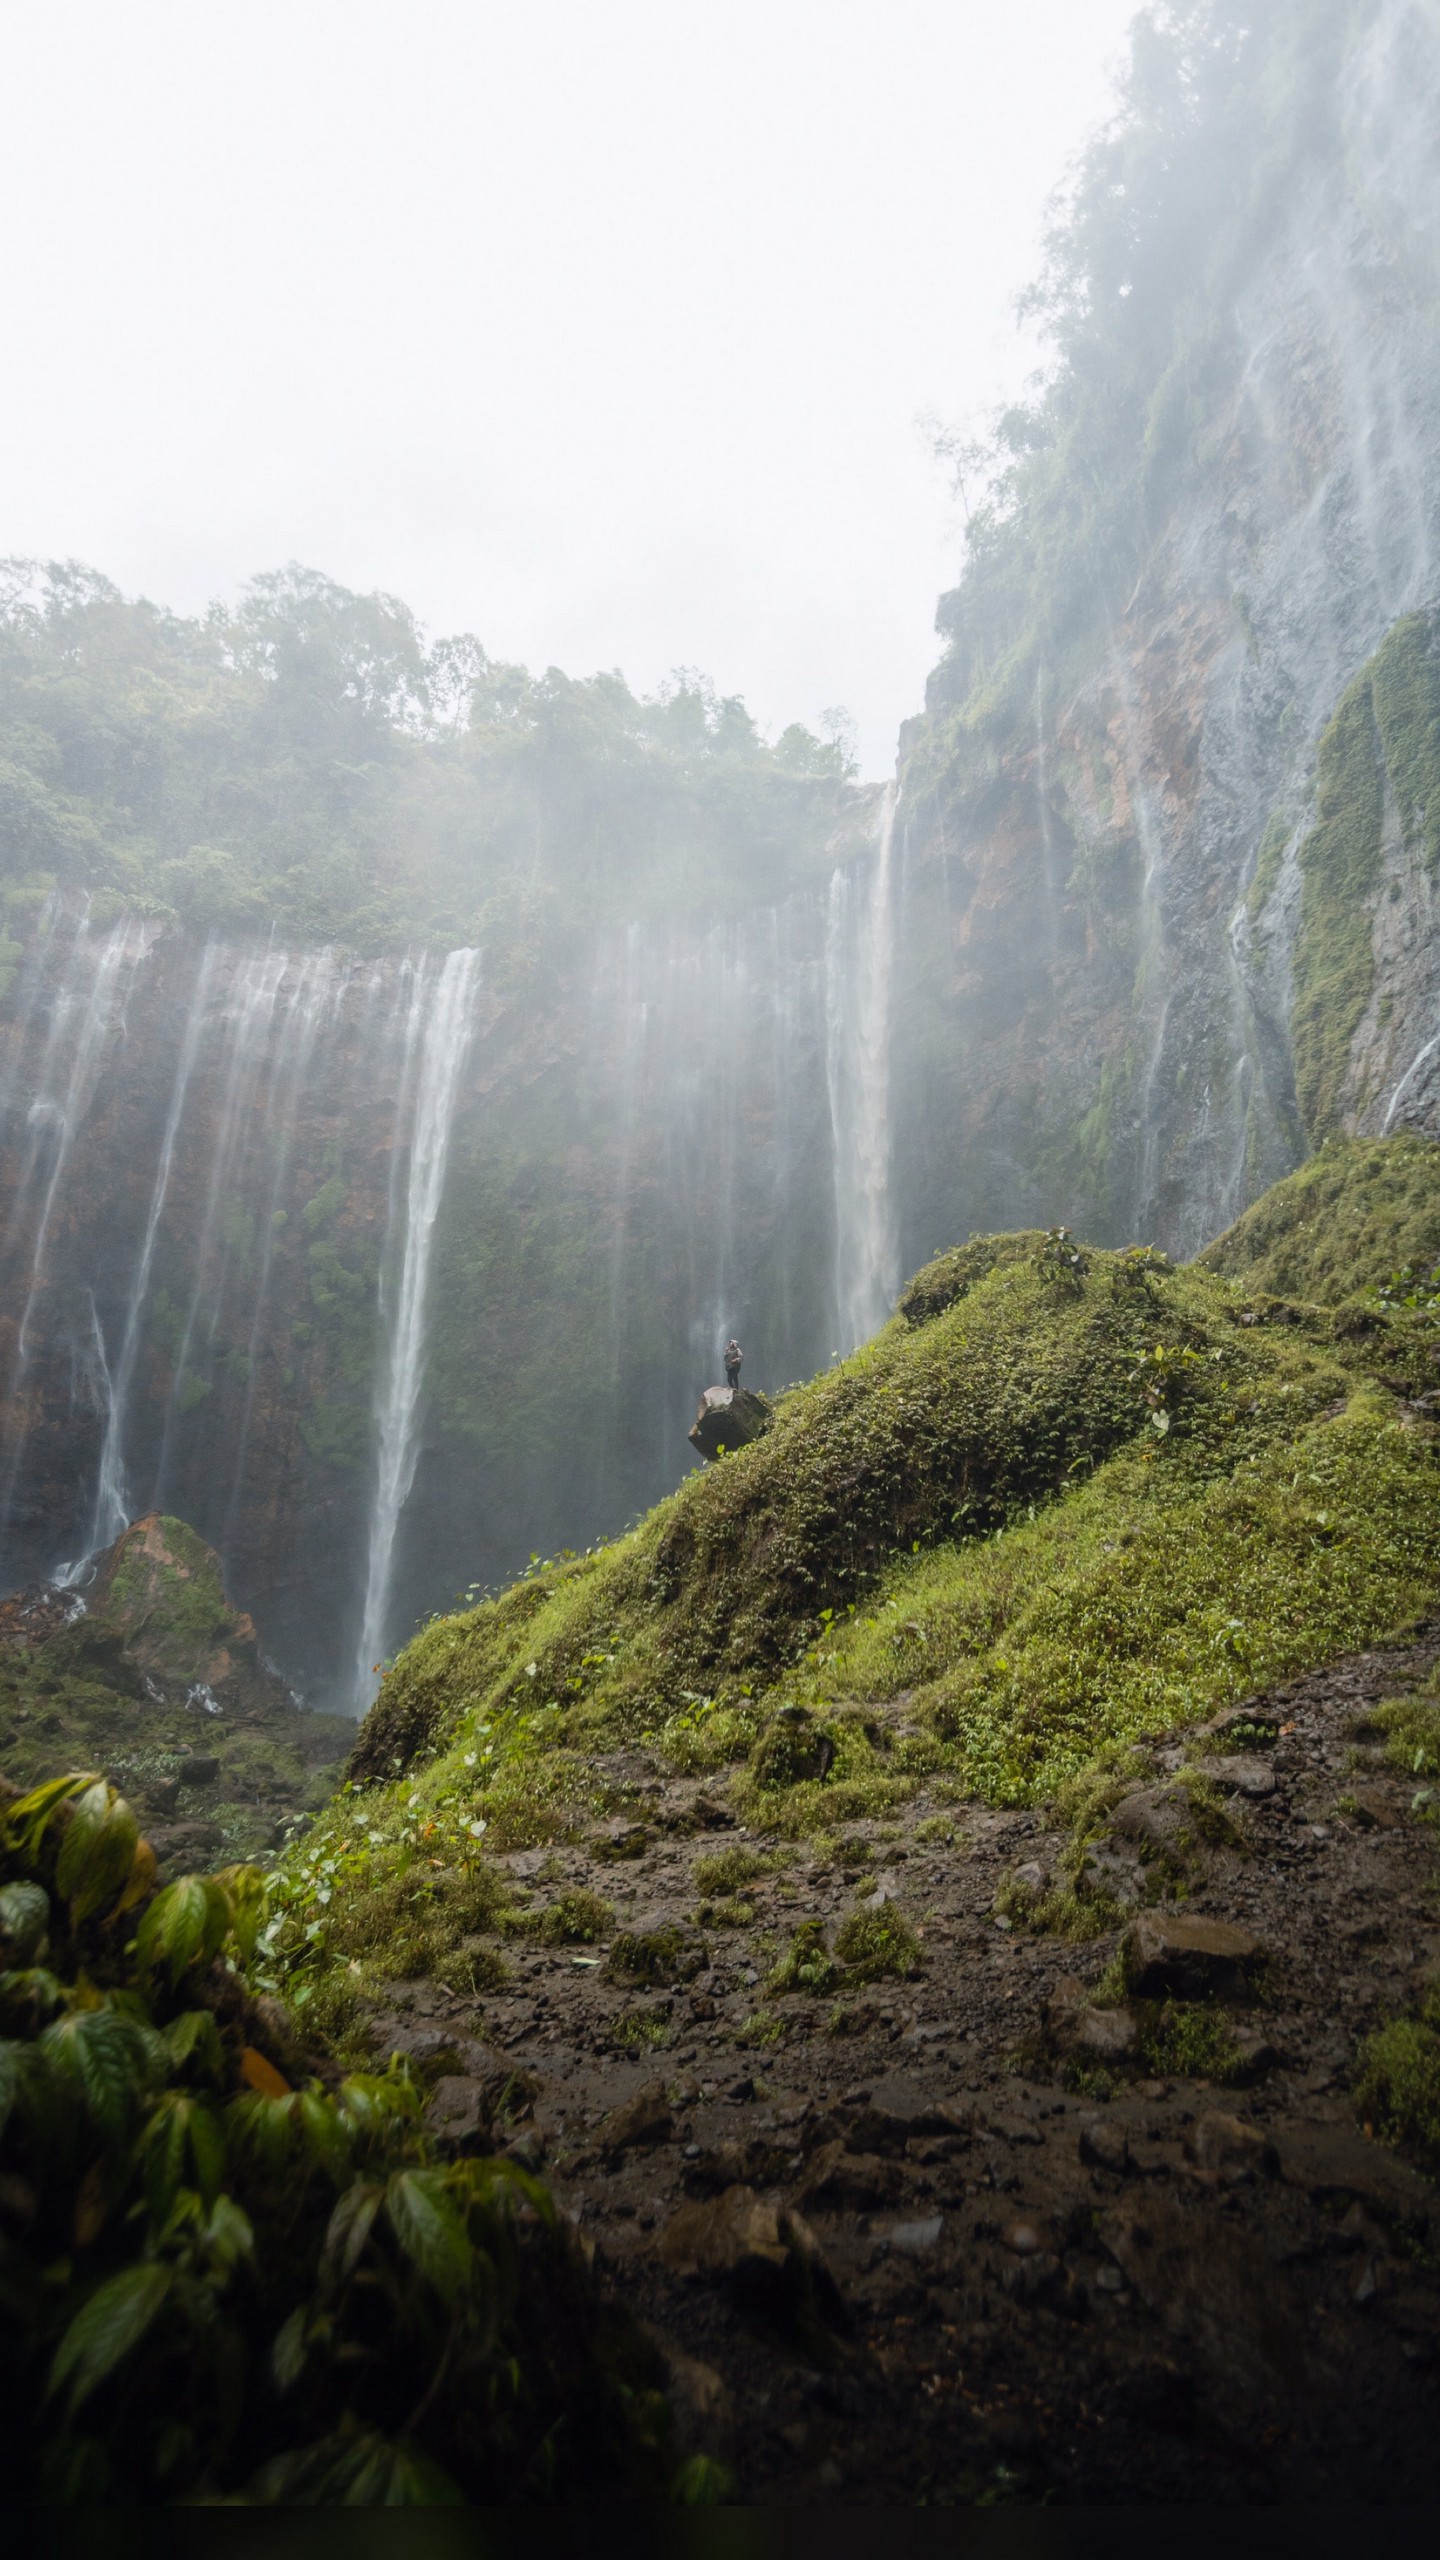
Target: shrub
{"x": 663, "y": 1955}
{"x": 807, "y": 1964}
{"x": 231, "y": 2274}
{"x": 1398, "y": 2088}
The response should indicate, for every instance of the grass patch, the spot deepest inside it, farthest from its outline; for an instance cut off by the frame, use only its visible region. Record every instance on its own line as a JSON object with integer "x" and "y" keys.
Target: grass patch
{"x": 807, "y": 1964}
{"x": 1397, "y": 2091}
{"x": 872, "y": 1943}
{"x": 658, "y": 1956}
{"x": 724, "y": 1871}
{"x": 1185, "y": 2041}
{"x": 576, "y": 1918}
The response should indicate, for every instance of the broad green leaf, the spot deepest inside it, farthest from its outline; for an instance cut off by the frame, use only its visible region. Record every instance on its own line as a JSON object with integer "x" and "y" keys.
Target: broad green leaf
{"x": 429, "y": 2230}
{"x": 304, "y": 2331}
{"x": 30, "y": 1818}
{"x": 355, "y": 2470}
{"x": 326, "y": 2134}
{"x": 193, "y": 2043}
{"x": 244, "y": 1889}
{"x": 185, "y": 1925}
{"x": 350, "y": 2226}
{"x": 108, "y": 2329}
{"x": 264, "y": 2129}
{"x": 113, "y": 2059}
{"x": 162, "y": 2156}
{"x": 97, "y": 1851}
{"x": 24, "y": 1922}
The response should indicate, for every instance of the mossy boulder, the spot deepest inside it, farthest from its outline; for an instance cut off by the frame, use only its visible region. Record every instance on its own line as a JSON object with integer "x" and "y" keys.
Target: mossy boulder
{"x": 159, "y": 1597}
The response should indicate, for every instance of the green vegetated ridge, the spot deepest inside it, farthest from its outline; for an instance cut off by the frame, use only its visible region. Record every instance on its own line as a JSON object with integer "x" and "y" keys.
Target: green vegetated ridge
{"x": 308, "y": 761}
{"x": 1068, "y": 1498}
{"x": 1380, "y": 755}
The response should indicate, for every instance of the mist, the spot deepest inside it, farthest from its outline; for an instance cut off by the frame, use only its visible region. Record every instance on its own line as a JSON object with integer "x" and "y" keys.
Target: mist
{"x": 602, "y": 334}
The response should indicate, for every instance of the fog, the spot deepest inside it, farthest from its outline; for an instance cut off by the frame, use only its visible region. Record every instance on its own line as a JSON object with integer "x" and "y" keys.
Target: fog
{"x": 604, "y": 333}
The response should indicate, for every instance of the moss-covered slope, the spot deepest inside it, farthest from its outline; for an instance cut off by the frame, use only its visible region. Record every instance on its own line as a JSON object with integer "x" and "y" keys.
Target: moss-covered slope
{"x": 1354, "y": 1214}
{"x": 1087, "y": 1498}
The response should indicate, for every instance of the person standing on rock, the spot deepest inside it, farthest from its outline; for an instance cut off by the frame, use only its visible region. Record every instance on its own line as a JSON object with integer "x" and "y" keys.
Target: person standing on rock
{"x": 733, "y": 1357}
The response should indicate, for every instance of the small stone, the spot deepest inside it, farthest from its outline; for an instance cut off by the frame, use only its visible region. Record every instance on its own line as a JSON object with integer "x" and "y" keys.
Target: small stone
{"x": 527, "y": 2151}
{"x": 768, "y": 2259}
{"x": 1103, "y": 2146}
{"x": 1226, "y": 2143}
{"x": 915, "y": 2238}
{"x": 1168, "y": 1957}
{"x": 458, "y": 2116}
{"x": 1031, "y": 1875}
{"x": 642, "y": 2121}
{"x": 1242, "y": 1776}
{"x": 1024, "y": 2238}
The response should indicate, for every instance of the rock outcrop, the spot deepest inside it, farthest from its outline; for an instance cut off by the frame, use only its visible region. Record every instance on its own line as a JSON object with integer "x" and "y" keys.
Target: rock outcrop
{"x": 729, "y": 1418}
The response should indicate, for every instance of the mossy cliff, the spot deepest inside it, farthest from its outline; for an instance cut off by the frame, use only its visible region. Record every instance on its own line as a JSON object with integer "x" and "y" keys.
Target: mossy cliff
{"x": 1080, "y": 1496}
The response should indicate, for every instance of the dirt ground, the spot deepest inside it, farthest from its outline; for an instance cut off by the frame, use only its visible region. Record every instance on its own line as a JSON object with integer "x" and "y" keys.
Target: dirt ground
{"x": 944, "y": 2239}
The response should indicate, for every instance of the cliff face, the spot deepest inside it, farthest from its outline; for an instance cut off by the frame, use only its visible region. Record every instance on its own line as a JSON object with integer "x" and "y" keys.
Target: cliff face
{"x": 1171, "y": 846}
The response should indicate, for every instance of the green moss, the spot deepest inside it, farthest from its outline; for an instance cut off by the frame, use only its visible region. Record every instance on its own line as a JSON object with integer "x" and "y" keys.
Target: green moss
{"x": 1184, "y": 2041}
{"x": 1357, "y": 1211}
{"x": 1268, "y": 862}
{"x": 726, "y": 1870}
{"x": 574, "y": 1919}
{"x": 658, "y": 1956}
{"x": 1384, "y": 740}
{"x": 1398, "y": 2088}
{"x": 807, "y": 1964}
{"x": 1412, "y": 1728}
{"x": 872, "y": 1943}
{"x": 1340, "y": 864}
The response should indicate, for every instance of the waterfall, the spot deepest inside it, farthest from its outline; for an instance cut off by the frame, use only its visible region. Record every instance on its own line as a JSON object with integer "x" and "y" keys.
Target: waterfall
{"x": 438, "y": 1033}
{"x": 112, "y": 1511}
{"x": 90, "y": 1002}
{"x": 859, "y": 966}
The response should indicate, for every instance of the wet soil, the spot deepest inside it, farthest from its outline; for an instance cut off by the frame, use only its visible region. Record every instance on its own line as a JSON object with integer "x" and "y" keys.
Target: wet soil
{"x": 1004, "y": 2282}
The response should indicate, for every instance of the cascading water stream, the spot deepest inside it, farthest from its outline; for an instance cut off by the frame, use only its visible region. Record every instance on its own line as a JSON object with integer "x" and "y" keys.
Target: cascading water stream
{"x": 859, "y": 967}
{"x": 112, "y": 1513}
{"x": 438, "y": 1036}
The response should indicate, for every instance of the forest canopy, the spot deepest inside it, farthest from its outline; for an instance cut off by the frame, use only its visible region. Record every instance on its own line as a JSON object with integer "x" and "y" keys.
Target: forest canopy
{"x": 305, "y": 760}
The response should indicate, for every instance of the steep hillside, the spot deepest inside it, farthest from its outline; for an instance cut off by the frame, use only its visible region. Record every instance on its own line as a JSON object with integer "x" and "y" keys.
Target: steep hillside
{"x": 1002, "y": 1751}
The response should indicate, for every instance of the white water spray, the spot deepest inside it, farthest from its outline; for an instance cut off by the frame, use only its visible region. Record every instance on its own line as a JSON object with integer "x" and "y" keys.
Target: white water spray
{"x": 859, "y": 967}
{"x": 438, "y": 1035}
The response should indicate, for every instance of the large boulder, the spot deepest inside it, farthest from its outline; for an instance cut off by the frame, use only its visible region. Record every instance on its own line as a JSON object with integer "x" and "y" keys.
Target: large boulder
{"x": 728, "y": 1418}
{"x": 158, "y": 1596}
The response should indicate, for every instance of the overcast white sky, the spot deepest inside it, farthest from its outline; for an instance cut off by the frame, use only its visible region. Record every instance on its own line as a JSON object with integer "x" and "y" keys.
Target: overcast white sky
{"x": 597, "y": 327}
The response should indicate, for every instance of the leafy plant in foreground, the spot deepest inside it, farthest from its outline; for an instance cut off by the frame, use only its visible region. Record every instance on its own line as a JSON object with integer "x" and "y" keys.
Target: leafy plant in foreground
{"x": 228, "y": 2274}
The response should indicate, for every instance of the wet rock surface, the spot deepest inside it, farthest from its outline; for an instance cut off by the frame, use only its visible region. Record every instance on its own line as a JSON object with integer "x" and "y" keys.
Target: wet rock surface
{"x": 955, "y": 2235}
{"x": 729, "y": 1418}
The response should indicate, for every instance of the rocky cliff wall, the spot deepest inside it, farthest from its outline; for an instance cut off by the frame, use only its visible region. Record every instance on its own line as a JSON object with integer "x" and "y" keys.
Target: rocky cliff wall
{"x": 1170, "y": 829}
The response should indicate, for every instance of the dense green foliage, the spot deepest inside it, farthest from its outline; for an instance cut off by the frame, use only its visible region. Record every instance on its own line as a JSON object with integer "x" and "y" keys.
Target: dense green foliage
{"x": 306, "y": 760}
{"x": 229, "y": 2274}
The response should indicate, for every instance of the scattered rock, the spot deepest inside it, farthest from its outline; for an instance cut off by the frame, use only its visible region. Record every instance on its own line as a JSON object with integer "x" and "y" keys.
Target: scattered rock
{"x": 1371, "y": 1807}
{"x": 1242, "y": 1776}
{"x": 841, "y": 2181}
{"x": 1103, "y": 2146}
{"x": 1169, "y": 1957}
{"x": 642, "y": 2121}
{"x": 1234, "y": 2148}
{"x": 1077, "y": 2031}
{"x": 1329, "y": 2161}
{"x": 458, "y": 2116}
{"x": 915, "y": 2238}
{"x": 767, "y": 2259}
